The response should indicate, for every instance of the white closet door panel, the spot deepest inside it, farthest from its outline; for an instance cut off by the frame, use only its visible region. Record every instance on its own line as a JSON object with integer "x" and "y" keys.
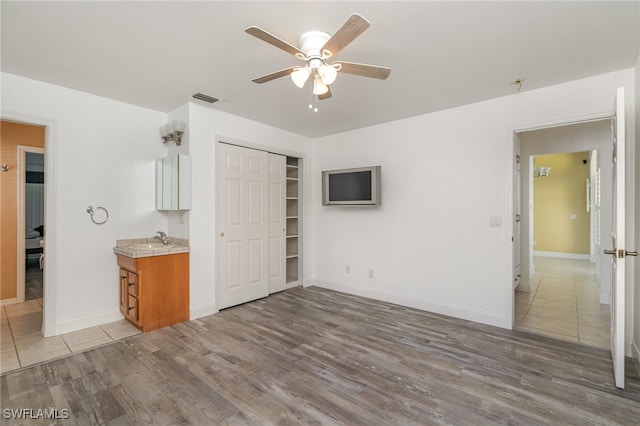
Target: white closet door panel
{"x": 275, "y": 262}
{"x": 233, "y": 201}
{"x": 243, "y": 222}
{"x": 234, "y": 265}
{"x": 277, "y": 222}
{"x": 256, "y": 254}
{"x": 276, "y": 213}
{"x": 256, "y": 209}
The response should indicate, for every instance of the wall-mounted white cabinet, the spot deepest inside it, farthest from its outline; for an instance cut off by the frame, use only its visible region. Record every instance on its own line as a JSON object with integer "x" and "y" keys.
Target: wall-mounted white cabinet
{"x": 173, "y": 183}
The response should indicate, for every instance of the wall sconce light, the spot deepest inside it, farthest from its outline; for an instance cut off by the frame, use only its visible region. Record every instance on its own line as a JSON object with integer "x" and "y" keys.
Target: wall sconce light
{"x": 541, "y": 171}
{"x": 172, "y": 132}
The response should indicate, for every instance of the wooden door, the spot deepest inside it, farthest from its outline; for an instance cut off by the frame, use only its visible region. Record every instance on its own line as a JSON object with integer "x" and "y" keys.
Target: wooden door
{"x": 243, "y": 224}
{"x": 277, "y": 225}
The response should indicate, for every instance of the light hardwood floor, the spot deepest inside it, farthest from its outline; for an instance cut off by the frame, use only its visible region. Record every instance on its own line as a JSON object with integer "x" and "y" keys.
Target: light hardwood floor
{"x": 314, "y": 356}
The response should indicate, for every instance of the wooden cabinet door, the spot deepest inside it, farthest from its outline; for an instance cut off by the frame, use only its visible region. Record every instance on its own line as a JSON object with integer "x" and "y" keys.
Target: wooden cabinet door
{"x": 132, "y": 298}
{"x": 124, "y": 284}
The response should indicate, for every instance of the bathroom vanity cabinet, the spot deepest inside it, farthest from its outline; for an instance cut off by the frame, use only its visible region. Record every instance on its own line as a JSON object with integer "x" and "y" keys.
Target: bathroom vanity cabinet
{"x": 154, "y": 290}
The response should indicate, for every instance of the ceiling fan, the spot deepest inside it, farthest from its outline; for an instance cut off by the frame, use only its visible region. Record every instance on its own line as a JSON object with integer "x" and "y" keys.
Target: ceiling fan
{"x": 316, "y": 48}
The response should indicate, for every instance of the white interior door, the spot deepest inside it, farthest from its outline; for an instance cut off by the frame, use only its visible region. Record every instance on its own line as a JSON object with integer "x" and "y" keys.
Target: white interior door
{"x": 277, "y": 225}
{"x": 618, "y": 252}
{"x": 243, "y": 224}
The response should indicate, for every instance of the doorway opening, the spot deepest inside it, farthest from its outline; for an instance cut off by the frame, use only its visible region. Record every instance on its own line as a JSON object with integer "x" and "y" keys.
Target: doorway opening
{"x": 32, "y": 215}
{"x": 23, "y": 223}
{"x": 565, "y": 188}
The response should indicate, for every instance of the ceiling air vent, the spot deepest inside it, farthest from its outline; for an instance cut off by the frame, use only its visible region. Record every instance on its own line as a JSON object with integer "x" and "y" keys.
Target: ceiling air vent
{"x": 205, "y": 98}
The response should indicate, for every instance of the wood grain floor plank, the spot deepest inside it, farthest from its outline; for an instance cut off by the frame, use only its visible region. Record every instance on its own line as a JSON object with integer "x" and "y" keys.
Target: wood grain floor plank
{"x": 314, "y": 356}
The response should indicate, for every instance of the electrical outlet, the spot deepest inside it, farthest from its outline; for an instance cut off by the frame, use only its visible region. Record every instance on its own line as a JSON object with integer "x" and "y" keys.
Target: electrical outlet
{"x": 347, "y": 269}
{"x": 370, "y": 273}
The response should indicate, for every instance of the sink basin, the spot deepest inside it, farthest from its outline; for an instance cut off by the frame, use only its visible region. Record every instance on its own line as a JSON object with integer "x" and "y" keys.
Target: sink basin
{"x": 150, "y": 246}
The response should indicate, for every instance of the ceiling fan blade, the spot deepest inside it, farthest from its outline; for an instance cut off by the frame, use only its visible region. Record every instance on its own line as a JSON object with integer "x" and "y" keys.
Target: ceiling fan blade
{"x": 273, "y": 75}
{"x": 325, "y": 95}
{"x": 371, "y": 71}
{"x": 352, "y": 28}
{"x": 273, "y": 40}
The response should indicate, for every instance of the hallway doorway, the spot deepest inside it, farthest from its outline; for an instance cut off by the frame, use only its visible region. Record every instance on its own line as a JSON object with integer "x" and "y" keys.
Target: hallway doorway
{"x": 565, "y": 285}
{"x": 22, "y": 222}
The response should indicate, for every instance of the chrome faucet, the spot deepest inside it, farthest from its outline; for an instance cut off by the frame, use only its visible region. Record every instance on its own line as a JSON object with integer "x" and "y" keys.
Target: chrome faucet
{"x": 162, "y": 237}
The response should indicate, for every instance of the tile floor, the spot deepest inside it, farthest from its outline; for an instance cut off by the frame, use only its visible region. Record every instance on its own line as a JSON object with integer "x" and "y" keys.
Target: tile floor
{"x": 564, "y": 302}
{"x": 22, "y": 344}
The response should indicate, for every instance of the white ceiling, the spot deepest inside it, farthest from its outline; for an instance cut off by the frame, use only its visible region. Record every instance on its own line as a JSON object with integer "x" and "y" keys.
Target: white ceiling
{"x": 442, "y": 54}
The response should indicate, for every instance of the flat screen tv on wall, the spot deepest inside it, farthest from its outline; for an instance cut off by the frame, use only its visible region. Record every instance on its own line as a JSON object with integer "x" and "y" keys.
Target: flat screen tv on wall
{"x": 351, "y": 187}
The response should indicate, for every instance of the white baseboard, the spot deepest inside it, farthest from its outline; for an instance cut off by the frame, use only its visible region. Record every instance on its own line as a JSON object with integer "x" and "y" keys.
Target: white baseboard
{"x": 462, "y": 312}
{"x": 525, "y": 288}
{"x": 559, "y": 255}
{"x": 202, "y": 311}
{"x": 5, "y": 302}
{"x": 63, "y": 327}
{"x": 107, "y": 317}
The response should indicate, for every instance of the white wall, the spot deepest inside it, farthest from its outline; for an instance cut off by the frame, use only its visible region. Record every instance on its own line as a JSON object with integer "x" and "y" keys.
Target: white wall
{"x": 99, "y": 152}
{"x": 443, "y": 176}
{"x": 206, "y": 126}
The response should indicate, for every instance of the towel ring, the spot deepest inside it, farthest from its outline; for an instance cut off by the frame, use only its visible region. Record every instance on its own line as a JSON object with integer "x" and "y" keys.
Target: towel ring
{"x": 91, "y": 211}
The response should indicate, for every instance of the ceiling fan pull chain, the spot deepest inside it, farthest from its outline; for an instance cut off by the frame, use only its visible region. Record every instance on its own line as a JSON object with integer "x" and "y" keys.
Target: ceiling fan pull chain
{"x": 312, "y": 99}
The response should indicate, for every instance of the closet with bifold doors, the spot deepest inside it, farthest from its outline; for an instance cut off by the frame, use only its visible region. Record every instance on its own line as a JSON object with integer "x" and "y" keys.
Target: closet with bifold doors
{"x": 259, "y": 241}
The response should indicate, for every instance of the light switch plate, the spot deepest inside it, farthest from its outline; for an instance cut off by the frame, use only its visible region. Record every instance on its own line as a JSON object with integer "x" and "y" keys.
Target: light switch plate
{"x": 495, "y": 221}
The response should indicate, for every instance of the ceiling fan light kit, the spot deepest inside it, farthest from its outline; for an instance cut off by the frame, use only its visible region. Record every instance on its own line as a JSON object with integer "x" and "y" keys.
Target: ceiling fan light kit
{"x": 316, "y": 47}
{"x": 319, "y": 86}
{"x": 300, "y": 75}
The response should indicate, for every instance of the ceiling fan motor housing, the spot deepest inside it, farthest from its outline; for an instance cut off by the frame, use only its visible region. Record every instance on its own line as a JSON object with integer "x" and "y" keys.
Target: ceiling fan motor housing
{"x": 312, "y": 42}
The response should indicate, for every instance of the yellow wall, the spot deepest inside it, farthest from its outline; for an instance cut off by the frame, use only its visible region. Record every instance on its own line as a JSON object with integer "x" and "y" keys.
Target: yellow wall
{"x": 12, "y": 135}
{"x": 556, "y": 198}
